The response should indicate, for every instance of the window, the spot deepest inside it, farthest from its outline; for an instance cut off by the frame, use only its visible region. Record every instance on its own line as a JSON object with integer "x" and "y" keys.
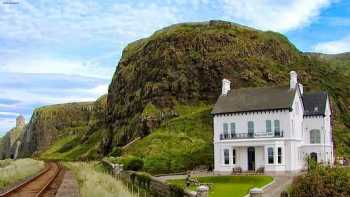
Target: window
{"x": 268, "y": 126}
{"x": 270, "y": 155}
{"x": 233, "y": 156}
{"x": 279, "y": 155}
{"x": 250, "y": 128}
{"x": 225, "y": 130}
{"x": 315, "y": 136}
{"x": 277, "y": 127}
{"x": 226, "y": 156}
{"x": 233, "y": 128}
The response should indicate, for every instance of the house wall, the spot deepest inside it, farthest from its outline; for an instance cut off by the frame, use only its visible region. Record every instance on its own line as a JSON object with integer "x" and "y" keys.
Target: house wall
{"x": 259, "y": 119}
{"x": 295, "y": 143}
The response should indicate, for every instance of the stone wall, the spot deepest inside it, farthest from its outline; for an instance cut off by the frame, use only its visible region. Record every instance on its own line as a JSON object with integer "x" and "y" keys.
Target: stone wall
{"x": 146, "y": 181}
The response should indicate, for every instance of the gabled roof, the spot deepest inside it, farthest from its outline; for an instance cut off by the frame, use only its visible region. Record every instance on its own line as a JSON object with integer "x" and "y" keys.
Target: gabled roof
{"x": 255, "y": 99}
{"x": 314, "y": 103}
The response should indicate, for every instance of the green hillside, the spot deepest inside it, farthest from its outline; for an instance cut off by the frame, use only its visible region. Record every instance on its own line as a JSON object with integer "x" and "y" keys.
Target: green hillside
{"x": 185, "y": 64}
{"x": 180, "y": 143}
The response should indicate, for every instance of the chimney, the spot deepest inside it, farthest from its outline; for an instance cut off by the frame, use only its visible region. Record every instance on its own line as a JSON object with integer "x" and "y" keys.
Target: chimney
{"x": 293, "y": 79}
{"x": 301, "y": 88}
{"x": 226, "y": 86}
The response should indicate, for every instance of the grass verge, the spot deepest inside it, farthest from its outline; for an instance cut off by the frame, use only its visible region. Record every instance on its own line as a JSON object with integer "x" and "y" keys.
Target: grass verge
{"x": 12, "y": 171}
{"x": 93, "y": 182}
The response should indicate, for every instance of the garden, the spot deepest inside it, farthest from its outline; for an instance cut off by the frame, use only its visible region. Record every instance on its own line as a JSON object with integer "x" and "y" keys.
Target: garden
{"x": 227, "y": 186}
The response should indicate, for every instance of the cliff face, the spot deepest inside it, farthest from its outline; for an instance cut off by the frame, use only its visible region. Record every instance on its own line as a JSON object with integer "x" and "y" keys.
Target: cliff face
{"x": 9, "y": 144}
{"x": 186, "y": 63}
{"x": 51, "y": 122}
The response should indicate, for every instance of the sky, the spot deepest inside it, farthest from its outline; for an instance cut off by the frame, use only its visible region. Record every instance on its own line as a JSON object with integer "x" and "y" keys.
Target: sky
{"x": 57, "y": 51}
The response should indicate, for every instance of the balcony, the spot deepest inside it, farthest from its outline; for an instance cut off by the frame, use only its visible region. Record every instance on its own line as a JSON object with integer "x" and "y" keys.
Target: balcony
{"x": 276, "y": 134}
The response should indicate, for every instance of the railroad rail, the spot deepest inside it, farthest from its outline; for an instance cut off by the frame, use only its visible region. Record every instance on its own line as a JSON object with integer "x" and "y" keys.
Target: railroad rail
{"x": 37, "y": 185}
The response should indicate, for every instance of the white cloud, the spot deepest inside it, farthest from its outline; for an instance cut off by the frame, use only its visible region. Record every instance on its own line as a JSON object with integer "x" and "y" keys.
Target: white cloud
{"x": 9, "y": 113}
{"x": 335, "y": 46}
{"x": 6, "y": 124}
{"x": 79, "y": 20}
{"x": 277, "y": 15}
{"x": 45, "y": 65}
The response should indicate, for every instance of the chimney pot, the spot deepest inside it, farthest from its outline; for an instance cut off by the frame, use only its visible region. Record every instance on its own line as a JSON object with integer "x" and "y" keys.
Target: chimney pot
{"x": 226, "y": 86}
{"x": 293, "y": 79}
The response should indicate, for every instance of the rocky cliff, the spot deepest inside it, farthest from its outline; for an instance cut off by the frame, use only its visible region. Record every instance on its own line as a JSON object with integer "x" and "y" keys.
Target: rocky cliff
{"x": 50, "y": 122}
{"x": 10, "y": 143}
{"x": 186, "y": 62}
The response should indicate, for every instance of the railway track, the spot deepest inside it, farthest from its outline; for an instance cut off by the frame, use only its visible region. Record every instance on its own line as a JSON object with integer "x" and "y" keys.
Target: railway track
{"x": 37, "y": 185}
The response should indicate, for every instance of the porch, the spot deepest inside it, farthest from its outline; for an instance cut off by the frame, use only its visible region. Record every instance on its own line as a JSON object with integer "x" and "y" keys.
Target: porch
{"x": 252, "y": 159}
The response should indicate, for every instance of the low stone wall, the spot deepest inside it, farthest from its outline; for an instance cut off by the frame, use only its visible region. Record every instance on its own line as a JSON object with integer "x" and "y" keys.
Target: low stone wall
{"x": 155, "y": 186}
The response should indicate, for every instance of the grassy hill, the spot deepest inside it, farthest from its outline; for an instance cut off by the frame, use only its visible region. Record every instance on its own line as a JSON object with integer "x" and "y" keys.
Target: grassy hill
{"x": 179, "y": 143}
{"x": 185, "y": 64}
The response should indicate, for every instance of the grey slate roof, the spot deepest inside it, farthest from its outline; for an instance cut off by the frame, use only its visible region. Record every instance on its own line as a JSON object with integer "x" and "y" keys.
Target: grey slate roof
{"x": 314, "y": 103}
{"x": 255, "y": 99}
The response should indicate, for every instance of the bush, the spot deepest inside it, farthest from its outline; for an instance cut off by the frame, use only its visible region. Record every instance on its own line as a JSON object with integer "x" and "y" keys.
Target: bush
{"x": 322, "y": 181}
{"x": 132, "y": 163}
{"x": 116, "y": 152}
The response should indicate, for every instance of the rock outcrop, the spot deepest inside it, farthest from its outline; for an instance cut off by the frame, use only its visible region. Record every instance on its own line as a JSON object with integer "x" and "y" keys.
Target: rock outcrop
{"x": 10, "y": 143}
{"x": 186, "y": 63}
{"x": 51, "y": 122}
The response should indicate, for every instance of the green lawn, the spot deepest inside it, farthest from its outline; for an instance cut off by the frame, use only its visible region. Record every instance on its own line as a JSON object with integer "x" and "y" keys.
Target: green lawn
{"x": 229, "y": 186}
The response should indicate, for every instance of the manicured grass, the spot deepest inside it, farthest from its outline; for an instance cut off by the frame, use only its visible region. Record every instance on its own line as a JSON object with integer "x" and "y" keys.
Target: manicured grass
{"x": 12, "y": 171}
{"x": 228, "y": 186}
{"x": 93, "y": 182}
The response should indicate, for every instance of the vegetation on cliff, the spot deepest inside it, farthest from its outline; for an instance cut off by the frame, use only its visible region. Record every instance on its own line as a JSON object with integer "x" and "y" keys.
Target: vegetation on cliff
{"x": 83, "y": 143}
{"x": 185, "y": 64}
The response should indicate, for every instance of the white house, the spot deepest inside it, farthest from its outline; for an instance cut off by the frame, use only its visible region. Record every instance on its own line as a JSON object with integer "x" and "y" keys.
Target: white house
{"x": 271, "y": 127}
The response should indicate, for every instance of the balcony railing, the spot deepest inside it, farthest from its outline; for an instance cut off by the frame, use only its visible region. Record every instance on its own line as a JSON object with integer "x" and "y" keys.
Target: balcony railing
{"x": 276, "y": 134}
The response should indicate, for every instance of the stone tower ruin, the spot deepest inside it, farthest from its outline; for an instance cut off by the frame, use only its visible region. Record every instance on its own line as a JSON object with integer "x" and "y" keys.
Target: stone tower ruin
{"x": 20, "y": 121}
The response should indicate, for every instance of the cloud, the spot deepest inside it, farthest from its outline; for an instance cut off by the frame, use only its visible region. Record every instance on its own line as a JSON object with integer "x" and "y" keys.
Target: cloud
{"x": 6, "y": 124}
{"x": 48, "y": 65}
{"x": 333, "y": 47}
{"x": 2, "y": 113}
{"x": 277, "y": 15}
{"x": 79, "y": 20}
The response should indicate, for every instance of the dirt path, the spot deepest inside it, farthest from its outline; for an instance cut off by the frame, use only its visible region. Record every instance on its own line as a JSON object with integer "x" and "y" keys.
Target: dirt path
{"x": 38, "y": 184}
{"x": 69, "y": 186}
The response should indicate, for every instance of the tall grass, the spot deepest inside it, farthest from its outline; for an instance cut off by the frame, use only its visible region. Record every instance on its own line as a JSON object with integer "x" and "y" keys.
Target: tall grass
{"x": 12, "y": 171}
{"x": 95, "y": 183}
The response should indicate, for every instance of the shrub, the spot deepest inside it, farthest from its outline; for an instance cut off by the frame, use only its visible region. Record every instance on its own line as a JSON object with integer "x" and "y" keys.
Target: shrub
{"x": 132, "y": 163}
{"x": 116, "y": 152}
{"x": 322, "y": 181}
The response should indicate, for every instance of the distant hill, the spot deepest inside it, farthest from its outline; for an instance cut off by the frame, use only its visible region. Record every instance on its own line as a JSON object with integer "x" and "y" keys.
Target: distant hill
{"x": 164, "y": 87}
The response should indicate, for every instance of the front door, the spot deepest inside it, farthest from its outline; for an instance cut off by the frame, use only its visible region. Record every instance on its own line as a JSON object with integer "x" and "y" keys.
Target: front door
{"x": 251, "y": 158}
